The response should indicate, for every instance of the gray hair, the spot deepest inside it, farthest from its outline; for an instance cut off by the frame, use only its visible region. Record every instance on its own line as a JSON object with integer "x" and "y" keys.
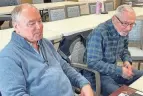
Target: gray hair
{"x": 123, "y": 8}
{"x": 15, "y": 14}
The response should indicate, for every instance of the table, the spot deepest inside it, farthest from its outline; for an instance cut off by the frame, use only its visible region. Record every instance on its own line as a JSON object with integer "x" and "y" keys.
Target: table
{"x": 6, "y": 9}
{"x": 51, "y": 35}
{"x": 78, "y": 24}
{"x": 41, "y": 6}
{"x": 138, "y": 4}
{"x": 136, "y": 54}
{"x": 138, "y": 84}
{"x": 134, "y": 87}
{"x": 5, "y": 36}
{"x": 56, "y": 4}
{"x": 83, "y": 23}
{"x": 123, "y": 89}
{"x": 138, "y": 10}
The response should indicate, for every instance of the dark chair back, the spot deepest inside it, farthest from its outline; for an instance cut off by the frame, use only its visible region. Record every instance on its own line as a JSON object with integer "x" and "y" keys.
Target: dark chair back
{"x": 72, "y": 49}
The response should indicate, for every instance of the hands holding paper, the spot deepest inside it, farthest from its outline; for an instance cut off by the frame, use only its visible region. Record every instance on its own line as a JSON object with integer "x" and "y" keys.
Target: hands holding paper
{"x": 127, "y": 70}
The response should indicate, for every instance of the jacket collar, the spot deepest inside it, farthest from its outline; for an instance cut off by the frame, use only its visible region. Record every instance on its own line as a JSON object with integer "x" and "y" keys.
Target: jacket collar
{"x": 111, "y": 28}
{"x": 20, "y": 41}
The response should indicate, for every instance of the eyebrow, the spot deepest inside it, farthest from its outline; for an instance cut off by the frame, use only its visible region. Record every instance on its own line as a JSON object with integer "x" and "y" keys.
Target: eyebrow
{"x": 123, "y": 21}
{"x": 31, "y": 21}
{"x": 34, "y": 20}
{"x": 118, "y": 19}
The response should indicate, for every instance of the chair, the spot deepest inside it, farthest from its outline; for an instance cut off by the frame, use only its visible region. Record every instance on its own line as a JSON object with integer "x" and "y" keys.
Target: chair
{"x": 135, "y": 42}
{"x": 13, "y": 2}
{"x": 57, "y": 0}
{"x": 108, "y": 6}
{"x": 57, "y": 13}
{"x": 72, "y": 10}
{"x": 6, "y": 17}
{"x": 84, "y": 9}
{"x": 92, "y": 8}
{"x": 3, "y": 3}
{"x": 75, "y": 46}
{"x": 37, "y": 1}
{"x": 8, "y": 2}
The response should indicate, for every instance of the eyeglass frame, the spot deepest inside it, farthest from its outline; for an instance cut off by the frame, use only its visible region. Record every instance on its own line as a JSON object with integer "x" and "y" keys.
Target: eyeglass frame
{"x": 125, "y": 24}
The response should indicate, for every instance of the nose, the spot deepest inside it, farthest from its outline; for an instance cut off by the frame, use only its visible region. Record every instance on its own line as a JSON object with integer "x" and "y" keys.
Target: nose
{"x": 38, "y": 25}
{"x": 128, "y": 28}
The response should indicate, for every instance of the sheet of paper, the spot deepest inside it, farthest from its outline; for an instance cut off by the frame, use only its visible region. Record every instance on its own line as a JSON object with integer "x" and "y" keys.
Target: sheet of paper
{"x": 138, "y": 92}
{"x": 123, "y": 94}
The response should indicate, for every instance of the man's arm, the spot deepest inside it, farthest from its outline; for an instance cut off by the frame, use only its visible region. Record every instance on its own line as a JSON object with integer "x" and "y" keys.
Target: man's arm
{"x": 95, "y": 56}
{"x": 75, "y": 78}
{"x": 126, "y": 56}
{"x": 127, "y": 61}
{"x": 12, "y": 81}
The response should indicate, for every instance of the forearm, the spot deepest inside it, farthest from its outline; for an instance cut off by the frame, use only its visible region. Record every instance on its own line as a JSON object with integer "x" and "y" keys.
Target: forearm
{"x": 75, "y": 77}
{"x": 104, "y": 68}
{"x": 125, "y": 55}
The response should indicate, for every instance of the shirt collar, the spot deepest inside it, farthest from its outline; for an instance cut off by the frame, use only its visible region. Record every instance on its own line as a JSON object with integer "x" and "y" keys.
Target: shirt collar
{"x": 111, "y": 27}
{"x": 22, "y": 42}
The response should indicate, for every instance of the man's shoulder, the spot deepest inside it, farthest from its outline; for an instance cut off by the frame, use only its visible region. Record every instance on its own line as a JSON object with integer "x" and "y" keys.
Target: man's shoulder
{"x": 101, "y": 29}
{"x": 8, "y": 50}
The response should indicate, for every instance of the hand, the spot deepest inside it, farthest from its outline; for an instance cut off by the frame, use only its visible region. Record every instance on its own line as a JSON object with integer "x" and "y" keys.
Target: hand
{"x": 86, "y": 91}
{"x": 127, "y": 74}
{"x": 128, "y": 65}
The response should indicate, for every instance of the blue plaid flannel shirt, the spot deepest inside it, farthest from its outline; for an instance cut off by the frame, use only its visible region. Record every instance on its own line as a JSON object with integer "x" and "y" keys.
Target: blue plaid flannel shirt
{"x": 104, "y": 47}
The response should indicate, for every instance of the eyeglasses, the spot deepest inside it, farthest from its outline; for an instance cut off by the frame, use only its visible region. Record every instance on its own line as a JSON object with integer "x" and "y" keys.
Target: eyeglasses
{"x": 125, "y": 24}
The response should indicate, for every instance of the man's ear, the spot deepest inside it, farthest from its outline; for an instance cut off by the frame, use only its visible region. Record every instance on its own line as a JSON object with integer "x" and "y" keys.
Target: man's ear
{"x": 15, "y": 26}
{"x": 113, "y": 18}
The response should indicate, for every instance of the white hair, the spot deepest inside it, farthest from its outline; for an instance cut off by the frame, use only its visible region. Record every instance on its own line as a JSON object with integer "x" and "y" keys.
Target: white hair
{"x": 123, "y": 8}
{"x": 15, "y": 14}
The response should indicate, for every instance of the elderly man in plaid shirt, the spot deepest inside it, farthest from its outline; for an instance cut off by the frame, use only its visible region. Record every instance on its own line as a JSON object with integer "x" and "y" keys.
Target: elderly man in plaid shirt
{"x": 105, "y": 44}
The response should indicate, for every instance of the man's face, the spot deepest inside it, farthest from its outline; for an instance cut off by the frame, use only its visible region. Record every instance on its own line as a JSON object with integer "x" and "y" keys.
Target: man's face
{"x": 29, "y": 25}
{"x": 125, "y": 23}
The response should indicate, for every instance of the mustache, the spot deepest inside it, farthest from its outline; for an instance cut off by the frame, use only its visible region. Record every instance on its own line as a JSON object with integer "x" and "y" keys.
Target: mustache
{"x": 123, "y": 33}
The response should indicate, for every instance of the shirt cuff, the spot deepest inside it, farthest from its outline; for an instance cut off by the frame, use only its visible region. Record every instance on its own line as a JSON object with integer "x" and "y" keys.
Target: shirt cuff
{"x": 127, "y": 59}
{"x": 83, "y": 83}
